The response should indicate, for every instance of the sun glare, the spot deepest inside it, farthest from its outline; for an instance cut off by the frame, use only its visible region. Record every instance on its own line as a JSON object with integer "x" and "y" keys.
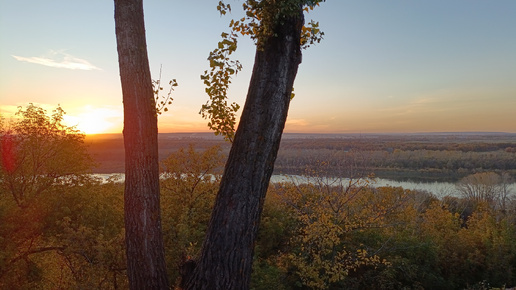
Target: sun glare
{"x": 93, "y": 121}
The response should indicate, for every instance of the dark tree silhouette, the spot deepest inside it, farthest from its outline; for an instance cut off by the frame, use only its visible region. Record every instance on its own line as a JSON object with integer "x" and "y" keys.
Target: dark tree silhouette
{"x": 227, "y": 252}
{"x": 146, "y": 267}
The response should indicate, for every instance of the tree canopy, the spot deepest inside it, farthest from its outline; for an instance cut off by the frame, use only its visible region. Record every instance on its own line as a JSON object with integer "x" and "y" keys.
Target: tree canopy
{"x": 56, "y": 220}
{"x": 40, "y": 152}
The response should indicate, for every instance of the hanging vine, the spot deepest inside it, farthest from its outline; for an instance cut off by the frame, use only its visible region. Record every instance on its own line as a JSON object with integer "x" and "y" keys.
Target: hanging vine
{"x": 258, "y": 23}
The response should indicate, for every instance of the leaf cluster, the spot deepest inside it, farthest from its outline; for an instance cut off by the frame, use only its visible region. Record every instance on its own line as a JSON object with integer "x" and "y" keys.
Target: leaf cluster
{"x": 163, "y": 101}
{"x": 217, "y": 80}
{"x": 261, "y": 21}
{"x": 263, "y": 17}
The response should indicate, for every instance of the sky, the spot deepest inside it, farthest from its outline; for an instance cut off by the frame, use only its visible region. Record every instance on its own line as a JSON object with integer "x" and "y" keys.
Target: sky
{"x": 394, "y": 66}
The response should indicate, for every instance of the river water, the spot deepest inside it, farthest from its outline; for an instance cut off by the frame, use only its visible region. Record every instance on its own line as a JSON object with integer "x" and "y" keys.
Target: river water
{"x": 439, "y": 189}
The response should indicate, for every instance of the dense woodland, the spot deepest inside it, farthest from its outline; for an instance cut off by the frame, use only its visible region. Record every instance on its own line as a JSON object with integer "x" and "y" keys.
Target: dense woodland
{"x": 418, "y": 157}
{"x": 61, "y": 228}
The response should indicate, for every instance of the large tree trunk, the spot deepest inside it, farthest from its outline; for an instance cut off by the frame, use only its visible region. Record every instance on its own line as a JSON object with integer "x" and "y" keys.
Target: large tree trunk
{"x": 227, "y": 253}
{"x": 146, "y": 267}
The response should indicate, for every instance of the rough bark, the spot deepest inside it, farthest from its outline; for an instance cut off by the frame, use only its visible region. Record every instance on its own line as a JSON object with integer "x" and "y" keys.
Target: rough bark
{"x": 146, "y": 267}
{"x": 227, "y": 253}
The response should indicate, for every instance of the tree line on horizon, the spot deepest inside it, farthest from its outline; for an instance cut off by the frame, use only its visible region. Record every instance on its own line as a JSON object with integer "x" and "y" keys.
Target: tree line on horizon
{"x": 387, "y": 156}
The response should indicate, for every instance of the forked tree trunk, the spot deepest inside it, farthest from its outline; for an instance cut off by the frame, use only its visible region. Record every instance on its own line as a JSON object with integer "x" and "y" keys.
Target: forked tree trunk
{"x": 227, "y": 252}
{"x": 146, "y": 267}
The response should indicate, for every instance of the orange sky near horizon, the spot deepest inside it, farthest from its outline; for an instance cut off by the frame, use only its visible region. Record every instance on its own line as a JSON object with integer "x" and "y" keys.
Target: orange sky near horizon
{"x": 382, "y": 67}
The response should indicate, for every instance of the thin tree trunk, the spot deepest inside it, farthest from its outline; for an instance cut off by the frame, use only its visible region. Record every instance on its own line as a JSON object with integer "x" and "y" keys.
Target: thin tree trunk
{"x": 146, "y": 267}
{"x": 227, "y": 253}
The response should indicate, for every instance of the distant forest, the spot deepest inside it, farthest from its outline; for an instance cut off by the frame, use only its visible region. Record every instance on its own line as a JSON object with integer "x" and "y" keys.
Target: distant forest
{"x": 416, "y": 157}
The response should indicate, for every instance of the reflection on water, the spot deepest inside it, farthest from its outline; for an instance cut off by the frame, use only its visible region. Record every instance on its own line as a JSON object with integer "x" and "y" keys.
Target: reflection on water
{"x": 437, "y": 188}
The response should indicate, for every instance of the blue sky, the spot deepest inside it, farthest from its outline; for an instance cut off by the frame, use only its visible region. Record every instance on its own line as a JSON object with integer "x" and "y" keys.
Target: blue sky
{"x": 383, "y": 66}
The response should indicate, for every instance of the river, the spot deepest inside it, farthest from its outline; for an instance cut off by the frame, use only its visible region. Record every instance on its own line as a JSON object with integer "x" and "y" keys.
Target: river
{"x": 439, "y": 189}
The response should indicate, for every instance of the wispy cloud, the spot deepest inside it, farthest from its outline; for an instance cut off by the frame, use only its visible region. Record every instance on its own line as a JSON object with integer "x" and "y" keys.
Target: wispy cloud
{"x": 59, "y": 59}
{"x": 297, "y": 122}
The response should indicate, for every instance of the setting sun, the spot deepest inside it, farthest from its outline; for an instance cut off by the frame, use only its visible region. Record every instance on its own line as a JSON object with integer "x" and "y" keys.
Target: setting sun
{"x": 95, "y": 120}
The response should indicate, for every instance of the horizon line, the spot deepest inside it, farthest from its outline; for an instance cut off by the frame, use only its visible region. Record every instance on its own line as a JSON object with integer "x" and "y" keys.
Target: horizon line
{"x": 338, "y": 133}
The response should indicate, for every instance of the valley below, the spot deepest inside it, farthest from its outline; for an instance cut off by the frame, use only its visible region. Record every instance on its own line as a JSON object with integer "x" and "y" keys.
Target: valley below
{"x": 420, "y": 158}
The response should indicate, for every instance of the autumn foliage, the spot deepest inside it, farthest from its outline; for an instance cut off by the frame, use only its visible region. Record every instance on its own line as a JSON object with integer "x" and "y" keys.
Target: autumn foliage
{"x": 60, "y": 228}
